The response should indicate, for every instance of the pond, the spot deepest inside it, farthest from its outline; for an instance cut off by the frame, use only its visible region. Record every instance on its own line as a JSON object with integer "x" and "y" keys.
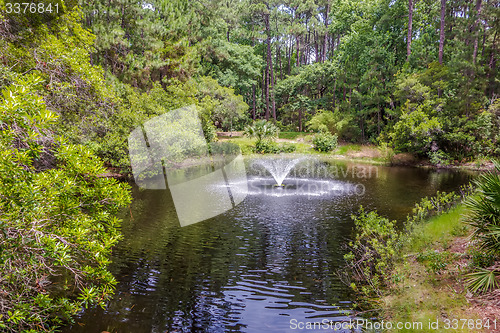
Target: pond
{"x": 273, "y": 260}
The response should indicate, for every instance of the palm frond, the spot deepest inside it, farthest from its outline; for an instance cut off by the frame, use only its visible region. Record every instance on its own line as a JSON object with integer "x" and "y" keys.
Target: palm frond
{"x": 482, "y": 280}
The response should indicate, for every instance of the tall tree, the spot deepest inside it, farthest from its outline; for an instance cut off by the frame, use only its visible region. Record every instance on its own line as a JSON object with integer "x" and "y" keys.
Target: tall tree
{"x": 410, "y": 26}
{"x": 441, "y": 31}
{"x": 476, "y": 28}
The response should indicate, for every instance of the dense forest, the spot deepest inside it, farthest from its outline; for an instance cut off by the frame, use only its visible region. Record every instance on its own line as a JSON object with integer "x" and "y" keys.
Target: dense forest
{"x": 418, "y": 76}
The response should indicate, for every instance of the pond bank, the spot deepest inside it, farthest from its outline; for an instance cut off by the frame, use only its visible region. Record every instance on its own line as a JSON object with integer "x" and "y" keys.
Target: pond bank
{"x": 363, "y": 153}
{"x": 429, "y": 284}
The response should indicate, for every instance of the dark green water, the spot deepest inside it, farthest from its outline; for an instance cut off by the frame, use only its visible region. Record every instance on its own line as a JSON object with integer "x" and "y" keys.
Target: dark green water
{"x": 273, "y": 258}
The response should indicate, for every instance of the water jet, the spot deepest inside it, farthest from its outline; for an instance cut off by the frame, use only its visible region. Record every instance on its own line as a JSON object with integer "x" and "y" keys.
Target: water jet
{"x": 279, "y": 168}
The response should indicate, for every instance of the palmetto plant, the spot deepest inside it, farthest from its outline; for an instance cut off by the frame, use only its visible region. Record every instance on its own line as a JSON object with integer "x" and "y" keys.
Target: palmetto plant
{"x": 262, "y": 129}
{"x": 484, "y": 217}
{"x": 482, "y": 280}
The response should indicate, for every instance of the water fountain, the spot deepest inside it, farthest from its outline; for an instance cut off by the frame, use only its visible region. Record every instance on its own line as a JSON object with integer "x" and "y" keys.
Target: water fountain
{"x": 279, "y": 168}
{"x": 290, "y": 176}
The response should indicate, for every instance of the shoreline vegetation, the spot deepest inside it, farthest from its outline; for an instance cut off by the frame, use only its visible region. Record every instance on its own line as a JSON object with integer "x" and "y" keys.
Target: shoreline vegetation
{"x": 440, "y": 265}
{"x": 348, "y": 152}
{"x": 429, "y": 284}
{"x": 360, "y": 153}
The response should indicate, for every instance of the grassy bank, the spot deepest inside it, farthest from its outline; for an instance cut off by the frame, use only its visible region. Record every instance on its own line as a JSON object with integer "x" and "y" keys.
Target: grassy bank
{"x": 303, "y": 145}
{"x": 419, "y": 271}
{"x": 428, "y": 285}
{"x": 355, "y": 152}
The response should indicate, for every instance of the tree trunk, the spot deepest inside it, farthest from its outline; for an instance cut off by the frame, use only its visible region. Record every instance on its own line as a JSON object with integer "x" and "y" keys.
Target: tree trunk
{"x": 298, "y": 51}
{"x": 253, "y": 101}
{"x": 279, "y": 61}
{"x": 492, "y": 65}
{"x": 264, "y": 90}
{"x": 344, "y": 92}
{"x": 476, "y": 27}
{"x": 316, "y": 50}
{"x": 272, "y": 95}
{"x": 441, "y": 31}
{"x": 334, "y": 90}
{"x": 323, "y": 56}
{"x": 269, "y": 70}
{"x": 410, "y": 25}
{"x": 290, "y": 52}
{"x": 300, "y": 119}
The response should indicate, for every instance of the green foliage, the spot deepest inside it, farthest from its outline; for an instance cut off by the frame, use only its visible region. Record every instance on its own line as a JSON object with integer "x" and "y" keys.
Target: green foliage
{"x": 481, "y": 259}
{"x": 482, "y": 280}
{"x": 224, "y": 108}
{"x": 266, "y": 132}
{"x": 428, "y": 207}
{"x": 287, "y": 147}
{"x": 378, "y": 244}
{"x": 435, "y": 261}
{"x": 325, "y": 142}
{"x": 57, "y": 217}
{"x": 484, "y": 211}
{"x": 323, "y": 121}
{"x": 269, "y": 147}
{"x": 335, "y": 123}
{"x": 484, "y": 217}
{"x": 439, "y": 158}
{"x": 137, "y": 44}
{"x": 453, "y": 133}
{"x": 262, "y": 130}
{"x": 235, "y": 65}
{"x": 415, "y": 131}
{"x": 374, "y": 251}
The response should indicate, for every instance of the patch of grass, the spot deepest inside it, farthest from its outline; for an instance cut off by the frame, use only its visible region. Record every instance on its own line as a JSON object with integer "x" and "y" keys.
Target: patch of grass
{"x": 427, "y": 285}
{"x": 342, "y": 150}
{"x": 304, "y": 148}
{"x": 246, "y": 144}
{"x": 290, "y": 135}
{"x": 439, "y": 230}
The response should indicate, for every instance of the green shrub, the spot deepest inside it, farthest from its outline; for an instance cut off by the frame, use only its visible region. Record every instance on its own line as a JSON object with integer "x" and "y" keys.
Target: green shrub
{"x": 287, "y": 147}
{"x": 338, "y": 123}
{"x": 262, "y": 129}
{"x": 325, "y": 142}
{"x": 269, "y": 147}
{"x": 484, "y": 218}
{"x": 481, "y": 259}
{"x": 57, "y": 218}
{"x": 434, "y": 261}
{"x": 374, "y": 251}
{"x": 430, "y": 206}
{"x": 484, "y": 211}
{"x": 415, "y": 131}
{"x": 439, "y": 158}
{"x": 378, "y": 242}
{"x": 266, "y": 147}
